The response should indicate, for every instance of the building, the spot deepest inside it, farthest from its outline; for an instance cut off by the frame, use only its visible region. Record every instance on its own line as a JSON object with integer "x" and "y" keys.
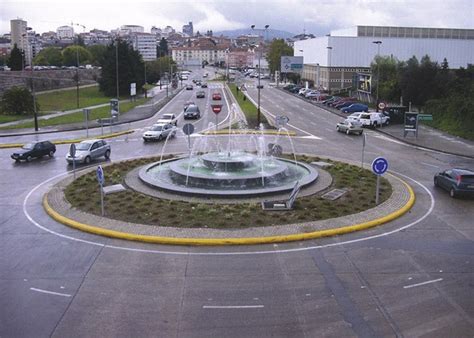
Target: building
{"x": 201, "y": 50}
{"x": 145, "y": 44}
{"x": 65, "y": 33}
{"x": 188, "y": 29}
{"x": 19, "y": 37}
{"x": 240, "y": 58}
{"x": 129, "y": 29}
{"x": 337, "y": 57}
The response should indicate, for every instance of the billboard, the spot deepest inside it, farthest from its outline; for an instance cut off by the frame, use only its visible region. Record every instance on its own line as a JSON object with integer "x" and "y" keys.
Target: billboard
{"x": 291, "y": 64}
{"x": 411, "y": 123}
{"x": 363, "y": 83}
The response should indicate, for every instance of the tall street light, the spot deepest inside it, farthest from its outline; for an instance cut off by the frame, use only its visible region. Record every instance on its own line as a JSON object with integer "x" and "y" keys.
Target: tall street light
{"x": 258, "y": 85}
{"x": 329, "y": 48}
{"x": 116, "y": 71}
{"x": 378, "y": 43}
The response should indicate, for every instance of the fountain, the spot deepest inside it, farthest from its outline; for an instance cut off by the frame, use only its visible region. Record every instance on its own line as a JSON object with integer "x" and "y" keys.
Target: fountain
{"x": 228, "y": 173}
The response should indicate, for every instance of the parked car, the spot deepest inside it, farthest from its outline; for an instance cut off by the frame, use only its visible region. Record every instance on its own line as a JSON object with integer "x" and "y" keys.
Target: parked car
{"x": 457, "y": 181}
{"x": 348, "y": 126}
{"x": 372, "y": 119}
{"x": 303, "y": 91}
{"x": 189, "y": 87}
{"x": 34, "y": 150}
{"x": 216, "y": 96}
{"x": 192, "y": 112}
{"x": 295, "y": 89}
{"x": 159, "y": 132}
{"x": 355, "y": 116}
{"x": 200, "y": 94}
{"x": 312, "y": 93}
{"x": 344, "y": 104}
{"x": 331, "y": 99}
{"x": 89, "y": 150}
{"x": 342, "y": 100}
{"x": 168, "y": 118}
{"x": 355, "y": 107}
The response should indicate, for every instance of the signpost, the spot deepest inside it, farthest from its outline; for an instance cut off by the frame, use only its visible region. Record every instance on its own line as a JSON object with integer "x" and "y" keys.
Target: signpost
{"x": 379, "y": 167}
{"x": 72, "y": 152}
{"x": 216, "y": 109}
{"x": 100, "y": 179}
{"x": 86, "y": 117}
{"x": 411, "y": 123}
{"x": 425, "y": 117}
{"x": 188, "y": 129}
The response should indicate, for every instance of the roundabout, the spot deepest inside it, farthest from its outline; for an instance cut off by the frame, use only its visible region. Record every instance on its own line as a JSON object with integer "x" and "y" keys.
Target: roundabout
{"x": 58, "y": 207}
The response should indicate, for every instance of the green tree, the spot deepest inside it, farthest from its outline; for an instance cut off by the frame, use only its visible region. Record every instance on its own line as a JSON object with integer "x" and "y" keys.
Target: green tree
{"x": 18, "y": 101}
{"x": 130, "y": 67}
{"x": 75, "y": 55}
{"x": 79, "y": 40}
{"x": 97, "y": 54}
{"x": 278, "y": 48}
{"x": 155, "y": 70}
{"x": 389, "y": 88}
{"x": 50, "y": 56}
{"x": 162, "y": 48}
{"x": 15, "y": 61}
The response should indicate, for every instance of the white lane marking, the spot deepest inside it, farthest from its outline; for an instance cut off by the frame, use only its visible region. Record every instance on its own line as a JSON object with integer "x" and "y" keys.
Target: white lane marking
{"x": 51, "y": 292}
{"x": 432, "y": 205}
{"x": 233, "y": 306}
{"x": 423, "y": 283}
{"x": 430, "y": 165}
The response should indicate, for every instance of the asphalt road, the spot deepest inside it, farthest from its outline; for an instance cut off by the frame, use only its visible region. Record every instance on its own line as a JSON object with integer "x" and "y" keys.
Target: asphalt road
{"x": 412, "y": 277}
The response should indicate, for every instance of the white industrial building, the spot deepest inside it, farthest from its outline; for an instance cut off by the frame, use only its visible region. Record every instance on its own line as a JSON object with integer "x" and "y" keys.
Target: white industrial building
{"x": 332, "y": 60}
{"x": 65, "y": 32}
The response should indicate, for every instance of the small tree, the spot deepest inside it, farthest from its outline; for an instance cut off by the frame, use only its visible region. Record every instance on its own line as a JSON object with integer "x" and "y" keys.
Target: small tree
{"x": 18, "y": 101}
{"x": 162, "y": 48}
{"x": 15, "y": 61}
{"x": 278, "y": 48}
{"x": 75, "y": 55}
{"x": 50, "y": 56}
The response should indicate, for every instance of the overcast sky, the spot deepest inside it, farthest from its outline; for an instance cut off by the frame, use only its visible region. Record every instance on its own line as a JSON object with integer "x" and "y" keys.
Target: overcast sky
{"x": 317, "y": 17}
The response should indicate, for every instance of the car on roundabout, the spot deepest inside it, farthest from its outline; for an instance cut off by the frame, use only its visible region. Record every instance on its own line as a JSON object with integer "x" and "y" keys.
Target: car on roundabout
{"x": 34, "y": 150}
{"x": 350, "y": 126}
{"x": 204, "y": 85}
{"x": 168, "y": 118}
{"x": 89, "y": 150}
{"x": 159, "y": 131}
{"x": 457, "y": 181}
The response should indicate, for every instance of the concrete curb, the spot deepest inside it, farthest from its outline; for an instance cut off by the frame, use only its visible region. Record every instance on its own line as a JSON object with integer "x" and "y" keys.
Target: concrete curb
{"x": 230, "y": 241}
{"x": 77, "y": 140}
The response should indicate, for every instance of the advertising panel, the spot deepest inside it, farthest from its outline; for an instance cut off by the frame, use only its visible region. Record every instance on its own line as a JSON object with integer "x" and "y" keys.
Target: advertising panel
{"x": 364, "y": 83}
{"x": 291, "y": 64}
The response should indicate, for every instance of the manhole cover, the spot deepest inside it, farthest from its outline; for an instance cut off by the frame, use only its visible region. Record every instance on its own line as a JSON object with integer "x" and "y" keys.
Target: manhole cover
{"x": 334, "y": 194}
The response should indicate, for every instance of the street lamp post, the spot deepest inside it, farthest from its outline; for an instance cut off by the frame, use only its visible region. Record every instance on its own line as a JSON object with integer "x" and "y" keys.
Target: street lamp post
{"x": 378, "y": 43}
{"x": 329, "y": 48}
{"x": 258, "y": 85}
{"x": 116, "y": 74}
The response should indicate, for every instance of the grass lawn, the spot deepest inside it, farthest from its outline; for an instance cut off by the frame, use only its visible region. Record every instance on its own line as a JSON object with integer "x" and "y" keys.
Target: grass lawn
{"x": 451, "y": 127}
{"x": 131, "y": 206}
{"x": 67, "y": 99}
{"x": 102, "y": 112}
{"x": 247, "y": 107}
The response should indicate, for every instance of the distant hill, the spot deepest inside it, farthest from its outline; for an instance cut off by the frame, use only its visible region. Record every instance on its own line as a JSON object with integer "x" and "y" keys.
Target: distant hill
{"x": 270, "y": 34}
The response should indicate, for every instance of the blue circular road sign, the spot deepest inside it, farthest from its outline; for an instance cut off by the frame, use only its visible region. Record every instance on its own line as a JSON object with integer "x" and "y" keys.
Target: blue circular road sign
{"x": 100, "y": 175}
{"x": 379, "y": 165}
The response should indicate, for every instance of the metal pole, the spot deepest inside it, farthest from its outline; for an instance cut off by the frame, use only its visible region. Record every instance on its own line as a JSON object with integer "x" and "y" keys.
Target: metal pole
{"x": 102, "y": 200}
{"x": 216, "y": 123}
{"x": 377, "y": 190}
{"x": 35, "y": 113}
{"x": 363, "y": 149}
{"x": 74, "y": 166}
{"x": 77, "y": 76}
{"x": 116, "y": 67}
{"x": 258, "y": 90}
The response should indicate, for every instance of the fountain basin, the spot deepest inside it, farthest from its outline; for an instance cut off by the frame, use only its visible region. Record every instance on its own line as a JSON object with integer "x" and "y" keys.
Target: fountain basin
{"x": 227, "y": 175}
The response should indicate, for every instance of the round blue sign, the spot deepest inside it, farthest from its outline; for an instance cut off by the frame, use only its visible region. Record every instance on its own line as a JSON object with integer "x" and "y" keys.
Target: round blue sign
{"x": 100, "y": 175}
{"x": 379, "y": 165}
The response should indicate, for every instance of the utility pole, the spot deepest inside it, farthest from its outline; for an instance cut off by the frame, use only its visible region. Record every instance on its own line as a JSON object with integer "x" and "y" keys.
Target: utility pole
{"x": 378, "y": 43}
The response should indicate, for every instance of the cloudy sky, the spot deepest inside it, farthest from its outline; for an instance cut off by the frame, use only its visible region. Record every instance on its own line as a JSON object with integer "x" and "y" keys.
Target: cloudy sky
{"x": 295, "y": 16}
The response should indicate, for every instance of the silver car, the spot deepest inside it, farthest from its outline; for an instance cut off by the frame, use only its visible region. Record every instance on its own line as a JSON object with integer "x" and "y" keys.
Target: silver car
{"x": 88, "y": 150}
{"x": 159, "y": 132}
{"x": 350, "y": 126}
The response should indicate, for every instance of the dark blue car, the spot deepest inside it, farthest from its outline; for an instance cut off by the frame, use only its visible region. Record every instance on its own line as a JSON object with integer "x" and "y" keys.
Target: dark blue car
{"x": 456, "y": 181}
{"x": 355, "y": 107}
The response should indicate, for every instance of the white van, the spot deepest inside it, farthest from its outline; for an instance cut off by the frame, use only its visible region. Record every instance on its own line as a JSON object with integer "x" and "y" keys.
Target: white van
{"x": 373, "y": 119}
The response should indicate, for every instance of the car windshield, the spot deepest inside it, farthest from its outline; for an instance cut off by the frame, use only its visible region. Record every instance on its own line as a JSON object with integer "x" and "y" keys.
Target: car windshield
{"x": 29, "y": 146}
{"x": 157, "y": 128}
{"x": 192, "y": 109}
{"x": 83, "y": 146}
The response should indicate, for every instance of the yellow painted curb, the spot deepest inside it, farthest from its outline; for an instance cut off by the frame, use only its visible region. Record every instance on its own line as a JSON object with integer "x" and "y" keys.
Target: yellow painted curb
{"x": 249, "y": 131}
{"x": 231, "y": 241}
{"x": 19, "y": 145}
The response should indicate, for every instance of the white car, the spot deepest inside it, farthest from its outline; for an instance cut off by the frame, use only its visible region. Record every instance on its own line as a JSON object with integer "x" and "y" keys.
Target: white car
{"x": 159, "y": 132}
{"x": 168, "y": 118}
{"x": 373, "y": 119}
{"x": 355, "y": 116}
